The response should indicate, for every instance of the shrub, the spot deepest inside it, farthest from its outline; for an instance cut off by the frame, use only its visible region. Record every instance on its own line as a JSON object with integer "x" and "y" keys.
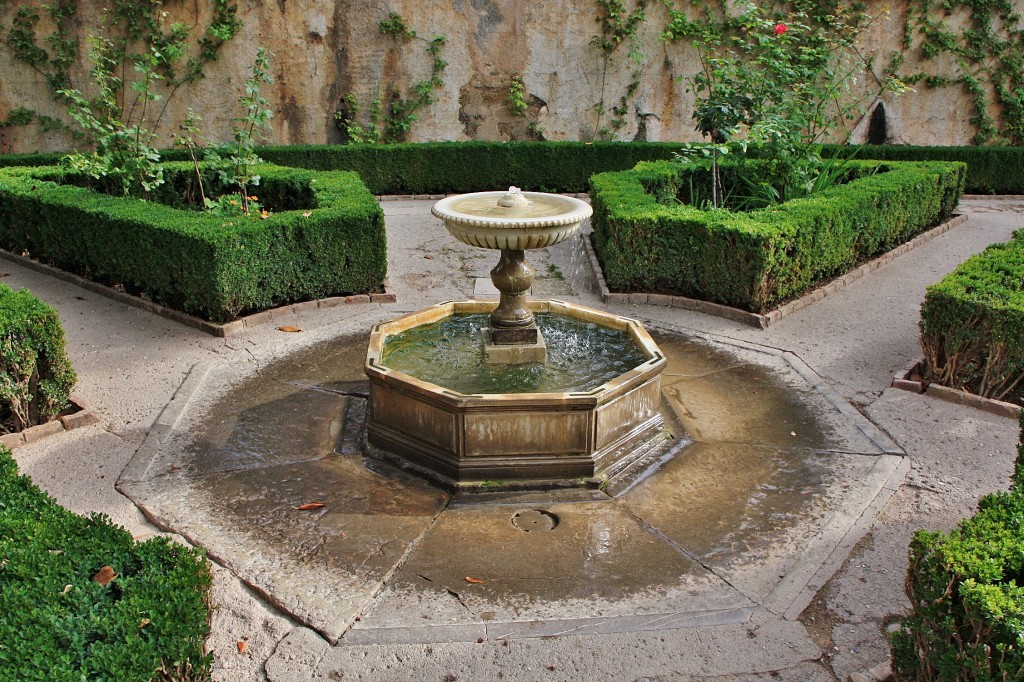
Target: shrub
{"x": 561, "y": 166}
{"x": 216, "y": 267}
{"x": 972, "y": 324}
{"x": 649, "y": 242}
{"x": 966, "y": 589}
{"x": 57, "y": 623}
{"x": 35, "y": 374}
{"x": 990, "y": 170}
{"x": 448, "y": 167}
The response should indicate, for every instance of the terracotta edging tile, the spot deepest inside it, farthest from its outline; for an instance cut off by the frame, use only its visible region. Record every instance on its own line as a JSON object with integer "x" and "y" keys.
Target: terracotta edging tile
{"x": 903, "y": 381}
{"x": 82, "y": 416}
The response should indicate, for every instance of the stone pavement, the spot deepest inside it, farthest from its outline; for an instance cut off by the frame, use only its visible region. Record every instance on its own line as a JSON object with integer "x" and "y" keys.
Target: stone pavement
{"x": 218, "y": 439}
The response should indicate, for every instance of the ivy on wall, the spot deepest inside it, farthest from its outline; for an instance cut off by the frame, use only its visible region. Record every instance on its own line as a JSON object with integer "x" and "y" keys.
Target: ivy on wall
{"x": 520, "y": 107}
{"x": 619, "y": 27}
{"x": 983, "y": 40}
{"x": 42, "y": 35}
{"x": 395, "y": 124}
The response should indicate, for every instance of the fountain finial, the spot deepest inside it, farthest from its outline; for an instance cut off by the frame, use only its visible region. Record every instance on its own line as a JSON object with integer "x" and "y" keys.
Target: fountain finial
{"x": 513, "y": 199}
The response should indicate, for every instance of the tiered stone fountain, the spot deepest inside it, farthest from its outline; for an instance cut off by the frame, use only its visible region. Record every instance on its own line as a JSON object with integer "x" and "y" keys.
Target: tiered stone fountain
{"x": 521, "y": 408}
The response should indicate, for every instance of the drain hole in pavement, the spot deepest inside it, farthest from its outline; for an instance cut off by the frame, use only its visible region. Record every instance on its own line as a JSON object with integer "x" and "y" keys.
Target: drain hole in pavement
{"x": 534, "y": 520}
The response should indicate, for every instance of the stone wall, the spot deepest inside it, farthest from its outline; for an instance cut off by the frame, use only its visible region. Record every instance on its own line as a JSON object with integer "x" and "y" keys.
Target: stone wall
{"x": 323, "y": 50}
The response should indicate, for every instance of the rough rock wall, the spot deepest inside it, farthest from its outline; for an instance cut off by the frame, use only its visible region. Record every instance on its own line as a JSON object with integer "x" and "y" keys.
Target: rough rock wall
{"x": 323, "y": 50}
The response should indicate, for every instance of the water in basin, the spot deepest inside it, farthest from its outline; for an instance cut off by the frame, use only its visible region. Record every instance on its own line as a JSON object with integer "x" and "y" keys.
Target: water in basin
{"x": 539, "y": 207}
{"x": 581, "y": 356}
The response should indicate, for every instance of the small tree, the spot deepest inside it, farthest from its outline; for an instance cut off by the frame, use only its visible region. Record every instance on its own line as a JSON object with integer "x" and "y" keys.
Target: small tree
{"x": 779, "y": 83}
{"x": 235, "y": 161}
{"x": 122, "y": 146}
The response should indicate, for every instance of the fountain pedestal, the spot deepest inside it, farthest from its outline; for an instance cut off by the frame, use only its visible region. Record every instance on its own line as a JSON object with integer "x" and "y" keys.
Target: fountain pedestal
{"x": 513, "y": 337}
{"x": 512, "y": 222}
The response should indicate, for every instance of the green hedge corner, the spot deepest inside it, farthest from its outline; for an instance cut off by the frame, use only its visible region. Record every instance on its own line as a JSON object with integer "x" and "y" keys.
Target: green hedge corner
{"x": 648, "y": 241}
{"x": 58, "y": 623}
{"x": 36, "y": 376}
{"x": 324, "y": 237}
{"x": 972, "y": 324}
{"x": 966, "y": 589}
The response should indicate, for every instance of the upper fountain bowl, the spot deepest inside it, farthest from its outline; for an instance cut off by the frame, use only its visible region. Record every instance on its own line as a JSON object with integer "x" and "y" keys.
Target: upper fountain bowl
{"x": 480, "y": 220}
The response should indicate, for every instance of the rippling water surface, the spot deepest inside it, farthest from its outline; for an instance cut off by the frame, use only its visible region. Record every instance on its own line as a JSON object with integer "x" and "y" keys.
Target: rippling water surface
{"x": 449, "y": 353}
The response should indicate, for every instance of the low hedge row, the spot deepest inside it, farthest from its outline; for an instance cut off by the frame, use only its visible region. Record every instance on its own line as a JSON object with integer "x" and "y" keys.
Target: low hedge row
{"x": 443, "y": 167}
{"x": 36, "y": 376}
{"x": 966, "y": 589}
{"x": 990, "y": 170}
{"x": 59, "y": 623}
{"x": 456, "y": 167}
{"x": 211, "y": 266}
{"x": 972, "y": 324}
{"x": 647, "y": 241}
{"x": 448, "y": 167}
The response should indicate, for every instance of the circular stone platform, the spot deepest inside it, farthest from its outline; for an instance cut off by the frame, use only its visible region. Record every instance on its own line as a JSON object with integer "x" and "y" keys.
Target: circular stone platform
{"x": 765, "y": 479}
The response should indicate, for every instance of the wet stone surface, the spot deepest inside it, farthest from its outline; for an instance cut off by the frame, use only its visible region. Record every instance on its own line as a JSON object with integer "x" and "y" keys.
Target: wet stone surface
{"x": 267, "y": 471}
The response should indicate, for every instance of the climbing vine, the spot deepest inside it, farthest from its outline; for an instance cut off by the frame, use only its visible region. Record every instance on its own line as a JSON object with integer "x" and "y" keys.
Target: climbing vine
{"x": 517, "y": 96}
{"x": 401, "y": 111}
{"x": 984, "y": 40}
{"x": 619, "y": 27}
{"x": 520, "y": 107}
{"x": 134, "y": 32}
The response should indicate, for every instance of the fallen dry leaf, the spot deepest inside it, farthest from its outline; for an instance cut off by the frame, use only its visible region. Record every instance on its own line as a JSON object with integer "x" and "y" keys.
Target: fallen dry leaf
{"x": 306, "y": 214}
{"x": 104, "y": 576}
{"x": 475, "y": 581}
{"x": 242, "y": 646}
{"x": 310, "y": 505}
{"x": 67, "y": 588}
{"x": 144, "y": 622}
{"x": 288, "y": 328}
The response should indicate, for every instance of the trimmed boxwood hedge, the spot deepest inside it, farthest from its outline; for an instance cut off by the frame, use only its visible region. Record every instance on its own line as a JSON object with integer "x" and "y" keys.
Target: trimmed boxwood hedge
{"x": 448, "y": 167}
{"x": 648, "y": 242}
{"x": 57, "y": 623}
{"x": 990, "y": 170}
{"x": 972, "y": 324}
{"x": 442, "y": 167}
{"x": 966, "y": 589}
{"x": 207, "y": 265}
{"x": 36, "y": 376}
{"x": 456, "y": 167}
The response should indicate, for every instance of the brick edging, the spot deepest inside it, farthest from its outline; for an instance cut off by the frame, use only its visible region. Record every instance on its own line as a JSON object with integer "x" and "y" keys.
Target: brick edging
{"x": 903, "y": 381}
{"x": 765, "y": 320}
{"x": 83, "y": 415}
{"x": 993, "y": 197}
{"x": 212, "y": 328}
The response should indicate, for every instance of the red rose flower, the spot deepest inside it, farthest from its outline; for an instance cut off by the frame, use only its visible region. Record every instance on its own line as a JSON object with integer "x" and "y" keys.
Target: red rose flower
{"x": 780, "y": 28}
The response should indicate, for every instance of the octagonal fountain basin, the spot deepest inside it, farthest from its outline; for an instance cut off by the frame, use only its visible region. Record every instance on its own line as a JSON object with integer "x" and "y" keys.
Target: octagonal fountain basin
{"x": 578, "y": 419}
